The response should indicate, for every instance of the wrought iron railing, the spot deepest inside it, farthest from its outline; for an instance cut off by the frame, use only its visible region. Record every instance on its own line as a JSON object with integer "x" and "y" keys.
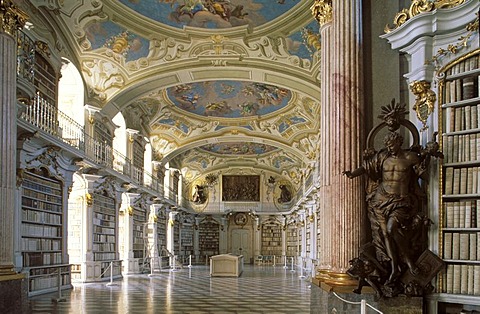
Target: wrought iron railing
{"x": 49, "y": 119}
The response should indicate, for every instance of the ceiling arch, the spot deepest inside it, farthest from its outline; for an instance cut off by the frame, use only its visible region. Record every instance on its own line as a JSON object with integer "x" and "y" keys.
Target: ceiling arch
{"x": 132, "y": 54}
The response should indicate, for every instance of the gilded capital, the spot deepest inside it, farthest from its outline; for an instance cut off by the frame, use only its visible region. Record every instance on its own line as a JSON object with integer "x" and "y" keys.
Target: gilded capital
{"x": 322, "y": 11}
{"x": 11, "y": 17}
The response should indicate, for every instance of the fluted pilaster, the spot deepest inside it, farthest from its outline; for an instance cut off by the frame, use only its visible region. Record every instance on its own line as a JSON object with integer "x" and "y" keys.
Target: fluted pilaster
{"x": 11, "y": 19}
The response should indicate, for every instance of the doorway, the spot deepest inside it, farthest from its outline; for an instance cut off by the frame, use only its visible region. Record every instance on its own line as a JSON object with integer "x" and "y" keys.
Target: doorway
{"x": 241, "y": 243}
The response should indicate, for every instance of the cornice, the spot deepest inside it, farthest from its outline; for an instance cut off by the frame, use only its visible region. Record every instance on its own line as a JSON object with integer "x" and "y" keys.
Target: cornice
{"x": 433, "y": 22}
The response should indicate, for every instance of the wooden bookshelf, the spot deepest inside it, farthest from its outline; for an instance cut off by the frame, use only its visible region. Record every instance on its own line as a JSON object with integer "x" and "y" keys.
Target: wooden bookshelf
{"x": 292, "y": 240}
{"x": 162, "y": 232}
{"x": 186, "y": 234}
{"x": 208, "y": 239}
{"x": 42, "y": 234}
{"x": 104, "y": 228}
{"x": 308, "y": 239}
{"x": 271, "y": 239}
{"x": 139, "y": 221}
{"x": 45, "y": 80}
{"x": 176, "y": 238}
{"x": 459, "y": 95}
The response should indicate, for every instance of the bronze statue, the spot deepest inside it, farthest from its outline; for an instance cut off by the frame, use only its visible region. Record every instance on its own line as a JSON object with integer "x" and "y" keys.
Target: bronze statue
{"x": 198, "y": 195}
{"x": 285, "y": 194}
{"x": 395, "y": 199}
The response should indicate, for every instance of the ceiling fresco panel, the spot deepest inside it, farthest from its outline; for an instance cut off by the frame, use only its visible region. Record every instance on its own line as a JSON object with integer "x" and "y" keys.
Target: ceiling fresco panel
{"x": 229, "y": 99}
{"x": 210, "y": 13}
{"x": 121, "y": 41}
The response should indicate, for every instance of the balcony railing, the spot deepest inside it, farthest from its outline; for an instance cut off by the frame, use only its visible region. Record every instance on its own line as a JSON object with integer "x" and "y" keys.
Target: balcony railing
{"x": 49, "y": 119}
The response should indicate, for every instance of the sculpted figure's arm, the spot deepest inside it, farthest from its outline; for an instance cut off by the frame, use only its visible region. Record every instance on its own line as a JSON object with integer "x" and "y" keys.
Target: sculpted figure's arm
{"x": 354, "y": 173}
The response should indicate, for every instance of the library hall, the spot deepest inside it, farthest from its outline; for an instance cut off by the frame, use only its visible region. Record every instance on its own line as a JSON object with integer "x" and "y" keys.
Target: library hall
{"x": 240, "y": 156}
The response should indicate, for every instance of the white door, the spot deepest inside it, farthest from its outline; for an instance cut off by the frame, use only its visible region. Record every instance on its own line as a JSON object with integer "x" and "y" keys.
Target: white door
{"x": 241, "y": 243}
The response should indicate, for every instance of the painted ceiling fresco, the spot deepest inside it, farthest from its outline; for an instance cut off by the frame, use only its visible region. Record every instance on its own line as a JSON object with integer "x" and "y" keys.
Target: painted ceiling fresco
{"x": 159, "y": 63}
{"x": 112, "y": 36}
{"x": 302, "y": 43}
{"x": 211, "y": 13}
{"x": 245, "y": 148}
{"x": 229, "y": 99}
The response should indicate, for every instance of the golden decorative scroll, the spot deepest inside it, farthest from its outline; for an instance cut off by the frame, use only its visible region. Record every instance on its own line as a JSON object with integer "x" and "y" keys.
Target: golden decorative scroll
{"x": 322, "y": 11}
{"x": 418, "y": 7}
{"x": 11, "y": 17}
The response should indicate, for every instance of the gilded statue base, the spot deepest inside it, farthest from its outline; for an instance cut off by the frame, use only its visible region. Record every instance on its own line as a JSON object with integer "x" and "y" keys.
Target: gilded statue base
{"x": 337, "y": 282}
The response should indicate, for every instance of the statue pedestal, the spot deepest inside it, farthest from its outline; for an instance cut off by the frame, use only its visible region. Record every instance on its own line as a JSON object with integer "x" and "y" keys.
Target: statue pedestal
{"x": 340, "y": 301}
{"x": 400, "y": 305}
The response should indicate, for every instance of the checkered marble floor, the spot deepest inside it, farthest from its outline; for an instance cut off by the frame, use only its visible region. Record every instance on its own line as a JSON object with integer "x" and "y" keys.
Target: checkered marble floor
{"x": 260, "y": 289}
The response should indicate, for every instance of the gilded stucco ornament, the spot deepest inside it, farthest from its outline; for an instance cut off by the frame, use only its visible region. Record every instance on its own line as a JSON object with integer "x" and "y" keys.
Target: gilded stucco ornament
{"x": 418, "y": 7}
{"x": 322, "y": 11}
{"x": 11, "y": 17}
{"x": 89, "y": 199}
{"x": 463, "y": 42}
{"x": 424, "y": 100}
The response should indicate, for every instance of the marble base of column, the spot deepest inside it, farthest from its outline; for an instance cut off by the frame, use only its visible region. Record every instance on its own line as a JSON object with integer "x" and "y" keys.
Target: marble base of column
{"x": 13, "y": 293}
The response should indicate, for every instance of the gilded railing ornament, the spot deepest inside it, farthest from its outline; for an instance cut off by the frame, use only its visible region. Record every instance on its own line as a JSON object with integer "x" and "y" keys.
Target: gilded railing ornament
{"x": 418, "y": 7}
{"x": 11, "y": 17}
{"x": 424, "y": 100}
{"x": 322, "y": 11}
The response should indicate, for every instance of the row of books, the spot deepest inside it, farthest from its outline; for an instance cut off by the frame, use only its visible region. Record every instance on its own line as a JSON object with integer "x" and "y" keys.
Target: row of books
{"x": 462, "y": 148}
{"x": 461, "y": 246}
{"x": 104, "y": 223}
{"x": 103, "y": 216}
{"x": 104, "y": 210}
{"x": 41, "y": 217}
{"x": 42, "y": 197}
{"x": 41, "y": 259}
{"x": 103, "y": 230}
{"x": 271, "y": 238}
{"x": 40, "y": 205}
{"x": 32, "y": 244}
{"x": 271, "y": 243}
{"x": 461, "y": 89}
{"x": 462, "y": 180}
{"x": 462, "y": 279}
{"x": 40, "y": 271}
{"x": 104, "y": 247}
{"x": 462, "y": 118}
{"x": 467, "y": 65}
{"x": 40, "y": 183}
{"x": 42, "y": 283}
{"x": 31, "y": 230}
{"x": 103, "y": 201}
{"x": 462, "y": 214}
{"x": 103, "y": 256}
{"x": 103, "y": 238}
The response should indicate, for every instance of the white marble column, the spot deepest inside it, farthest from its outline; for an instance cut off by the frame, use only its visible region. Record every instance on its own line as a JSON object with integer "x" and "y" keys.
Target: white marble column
{"x": 10, "y": 20}
{"x": 342, "y": 129}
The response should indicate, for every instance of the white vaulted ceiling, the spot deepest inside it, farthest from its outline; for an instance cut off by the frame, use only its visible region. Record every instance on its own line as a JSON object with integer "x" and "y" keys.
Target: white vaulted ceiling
{"x": 214, "y": 85}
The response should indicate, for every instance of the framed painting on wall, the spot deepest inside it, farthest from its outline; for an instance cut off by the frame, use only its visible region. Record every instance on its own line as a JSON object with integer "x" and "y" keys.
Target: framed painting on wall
{"x": 240, "y": 188}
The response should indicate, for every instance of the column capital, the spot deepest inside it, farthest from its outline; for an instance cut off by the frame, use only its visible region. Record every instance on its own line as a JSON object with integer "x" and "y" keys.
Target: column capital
{"x": 11, "y": 17}
{"x": 322, "y": 11}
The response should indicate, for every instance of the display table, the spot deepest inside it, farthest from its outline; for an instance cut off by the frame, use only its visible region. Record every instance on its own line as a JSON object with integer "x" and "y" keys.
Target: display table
{"x": 226, "y": 265}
